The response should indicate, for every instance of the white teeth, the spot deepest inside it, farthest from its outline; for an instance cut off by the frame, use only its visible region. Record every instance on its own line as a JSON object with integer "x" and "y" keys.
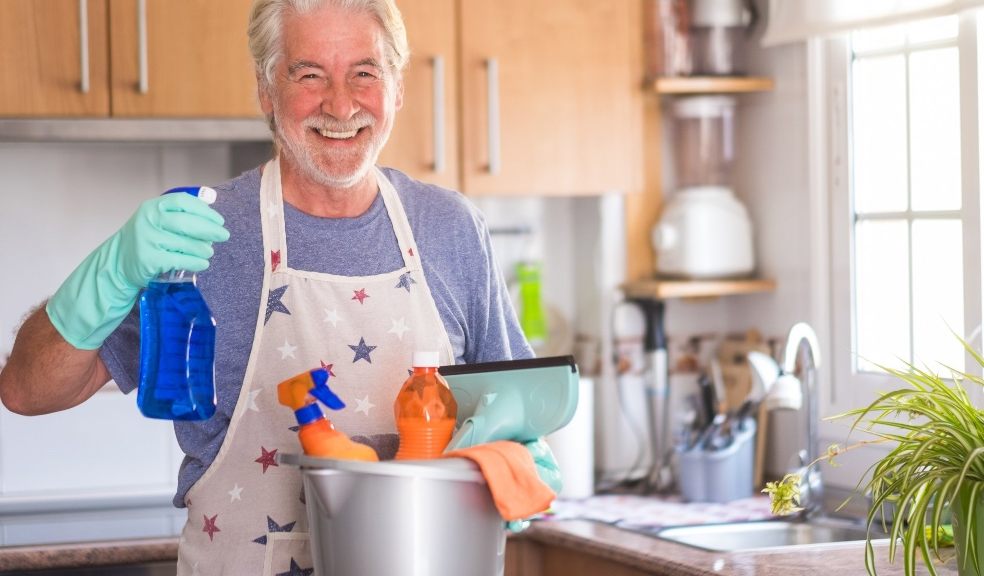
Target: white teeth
{"x": 337, "y": 135}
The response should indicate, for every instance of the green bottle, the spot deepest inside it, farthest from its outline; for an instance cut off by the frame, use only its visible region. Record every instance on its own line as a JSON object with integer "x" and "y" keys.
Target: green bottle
{"x": 532, "y": 318}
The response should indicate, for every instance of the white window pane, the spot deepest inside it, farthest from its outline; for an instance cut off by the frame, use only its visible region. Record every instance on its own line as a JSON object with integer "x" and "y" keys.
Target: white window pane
{"x": 937, "y": 293}
{"x": 879, "y": 134}
{"x": 934, "y": 92}
{"x": 883, "y": 38}
{"x": 882, "y": 291}
{"x": 933, "y": 30}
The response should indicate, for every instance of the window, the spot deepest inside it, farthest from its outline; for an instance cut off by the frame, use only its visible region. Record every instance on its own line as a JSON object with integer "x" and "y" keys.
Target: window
{"x": 905, "y": 208}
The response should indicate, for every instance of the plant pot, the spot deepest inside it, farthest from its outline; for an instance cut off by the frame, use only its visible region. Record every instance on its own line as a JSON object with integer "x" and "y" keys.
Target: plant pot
{"x": 961, "y": 510}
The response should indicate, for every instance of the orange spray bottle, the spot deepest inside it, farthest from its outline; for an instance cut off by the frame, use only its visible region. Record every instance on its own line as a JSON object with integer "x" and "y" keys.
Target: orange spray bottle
{"x": 317, "y": 434}
{"x": 425, "y": 411}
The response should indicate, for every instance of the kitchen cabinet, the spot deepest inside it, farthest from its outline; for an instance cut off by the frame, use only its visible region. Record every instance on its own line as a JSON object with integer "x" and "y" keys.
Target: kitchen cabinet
{"x": 54, "y": 58}
{"x": 528, "y": 558}
{"x": 541, "y": 97}
{"x": 424, "y": 141}
{"x": 125, "y": 58}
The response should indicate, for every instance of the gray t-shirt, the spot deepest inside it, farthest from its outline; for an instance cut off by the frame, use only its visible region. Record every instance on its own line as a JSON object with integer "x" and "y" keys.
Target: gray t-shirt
{"x": 456, "y": 253}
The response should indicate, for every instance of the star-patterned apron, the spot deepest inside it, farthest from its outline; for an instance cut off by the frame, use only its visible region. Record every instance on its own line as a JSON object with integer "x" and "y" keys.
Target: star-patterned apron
{"x": 246, "y": 513}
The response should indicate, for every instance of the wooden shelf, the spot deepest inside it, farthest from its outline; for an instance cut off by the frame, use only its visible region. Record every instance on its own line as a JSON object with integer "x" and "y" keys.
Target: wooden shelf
{"x": 667, "y": 289}
{"x": 712, "y": 84}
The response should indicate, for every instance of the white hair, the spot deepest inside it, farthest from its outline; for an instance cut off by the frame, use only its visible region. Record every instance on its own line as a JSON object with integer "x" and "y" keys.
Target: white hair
{"x": 266, "y": 25}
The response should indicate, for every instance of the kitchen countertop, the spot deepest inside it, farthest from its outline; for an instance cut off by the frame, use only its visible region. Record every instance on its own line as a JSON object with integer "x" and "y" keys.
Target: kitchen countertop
{"x": 596, "y": 539}
{"x": 88, "y": 554}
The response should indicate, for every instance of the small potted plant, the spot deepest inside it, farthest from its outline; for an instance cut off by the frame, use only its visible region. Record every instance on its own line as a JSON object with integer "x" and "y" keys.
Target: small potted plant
{"x": 932, "y": 478}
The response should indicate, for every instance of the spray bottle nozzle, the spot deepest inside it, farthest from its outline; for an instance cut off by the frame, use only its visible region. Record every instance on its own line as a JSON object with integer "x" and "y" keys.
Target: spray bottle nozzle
{"x": 294, "y": 391}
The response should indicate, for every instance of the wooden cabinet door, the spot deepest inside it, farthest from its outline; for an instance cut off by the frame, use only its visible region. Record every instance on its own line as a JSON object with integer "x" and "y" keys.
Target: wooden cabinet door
{"x": 46, "y": 48}
{"x": 424, "y": 142}
{"x": 196, "y": 64}
{"x": 568, "y": 96}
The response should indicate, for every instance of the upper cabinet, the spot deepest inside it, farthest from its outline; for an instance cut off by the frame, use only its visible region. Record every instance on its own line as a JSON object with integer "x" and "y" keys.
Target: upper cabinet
{"x": 53, "y": 58}
{"x": 169, "y": 58}
{"x": 181, "y": 58}
{"x": 424, "y": 142}
{"x": 522, "y": 97}
{"x": 506, "y": 97}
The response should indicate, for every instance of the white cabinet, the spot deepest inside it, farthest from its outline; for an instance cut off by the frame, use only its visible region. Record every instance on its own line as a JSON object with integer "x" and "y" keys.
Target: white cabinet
{"x": 99, "y": 470}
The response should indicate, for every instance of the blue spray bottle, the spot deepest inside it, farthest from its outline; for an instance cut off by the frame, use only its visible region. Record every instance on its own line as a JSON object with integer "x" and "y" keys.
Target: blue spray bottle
{"x": 177, "y": 343}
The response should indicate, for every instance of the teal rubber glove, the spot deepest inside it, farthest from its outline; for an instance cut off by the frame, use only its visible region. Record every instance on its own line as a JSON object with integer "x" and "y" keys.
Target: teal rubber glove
{"x": 169, "y": 232}
{"x": 548, "y": 471}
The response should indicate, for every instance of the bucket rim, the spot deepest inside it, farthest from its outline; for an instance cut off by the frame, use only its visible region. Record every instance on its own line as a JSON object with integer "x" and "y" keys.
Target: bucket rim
{"x": 451, "y": 469}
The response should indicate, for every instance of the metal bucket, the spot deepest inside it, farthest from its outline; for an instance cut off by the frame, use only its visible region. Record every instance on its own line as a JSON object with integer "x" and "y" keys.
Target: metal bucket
{"x": 414, "y": 518}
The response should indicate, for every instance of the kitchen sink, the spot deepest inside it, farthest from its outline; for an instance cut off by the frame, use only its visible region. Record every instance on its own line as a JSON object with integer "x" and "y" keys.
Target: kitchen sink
{"x": 737, "y": 536}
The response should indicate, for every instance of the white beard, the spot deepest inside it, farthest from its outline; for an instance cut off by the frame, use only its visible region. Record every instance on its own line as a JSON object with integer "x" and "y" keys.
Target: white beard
{"x": 324, "y": 165}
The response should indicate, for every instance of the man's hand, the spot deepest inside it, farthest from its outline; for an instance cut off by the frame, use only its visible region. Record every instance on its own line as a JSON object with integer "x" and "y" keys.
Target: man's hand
{"x": 169, "y": 232}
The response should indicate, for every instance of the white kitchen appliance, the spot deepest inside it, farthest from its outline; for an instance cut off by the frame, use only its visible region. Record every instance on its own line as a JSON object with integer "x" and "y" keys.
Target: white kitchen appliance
{"x": 704, "y": 232}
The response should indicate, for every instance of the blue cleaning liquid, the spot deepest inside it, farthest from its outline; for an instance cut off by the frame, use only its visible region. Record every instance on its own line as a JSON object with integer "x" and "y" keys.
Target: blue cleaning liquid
{"x": 177, "y": 352}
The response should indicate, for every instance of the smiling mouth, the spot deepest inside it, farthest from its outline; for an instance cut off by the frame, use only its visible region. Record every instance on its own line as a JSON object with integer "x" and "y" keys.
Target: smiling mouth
{"x": 338, "y": 135}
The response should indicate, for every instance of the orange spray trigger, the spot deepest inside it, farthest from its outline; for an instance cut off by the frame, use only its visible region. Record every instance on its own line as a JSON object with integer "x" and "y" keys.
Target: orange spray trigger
{"x": 293, "y": 392}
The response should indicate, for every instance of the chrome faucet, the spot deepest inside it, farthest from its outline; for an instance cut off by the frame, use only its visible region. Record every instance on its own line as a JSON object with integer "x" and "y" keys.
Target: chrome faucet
{"x": 789, "y": 391}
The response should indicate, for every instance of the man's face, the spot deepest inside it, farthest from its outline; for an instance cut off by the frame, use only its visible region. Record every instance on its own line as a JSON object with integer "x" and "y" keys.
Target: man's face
{"x": 333, "y": 95}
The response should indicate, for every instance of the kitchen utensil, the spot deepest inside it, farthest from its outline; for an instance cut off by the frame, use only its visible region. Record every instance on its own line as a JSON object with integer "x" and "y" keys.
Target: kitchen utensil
{"x": 433, "y": 517}
{"x": 765, "y": 371}
{"x": 716, "y": 28}
{"x": 703, "y": 130}
{"x": 519, "y": 400}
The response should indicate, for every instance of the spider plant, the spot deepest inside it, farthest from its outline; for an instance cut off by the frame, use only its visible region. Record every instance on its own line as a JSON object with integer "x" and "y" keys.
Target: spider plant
{"x": 936, "y": 462}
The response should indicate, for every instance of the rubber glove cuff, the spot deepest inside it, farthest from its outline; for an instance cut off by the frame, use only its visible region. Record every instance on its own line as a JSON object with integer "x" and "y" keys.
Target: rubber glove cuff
{"x": 84, "y": 314}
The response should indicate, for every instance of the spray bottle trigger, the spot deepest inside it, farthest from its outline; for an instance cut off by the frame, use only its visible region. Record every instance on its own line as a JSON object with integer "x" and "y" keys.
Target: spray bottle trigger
{"x": 321, "y": 391}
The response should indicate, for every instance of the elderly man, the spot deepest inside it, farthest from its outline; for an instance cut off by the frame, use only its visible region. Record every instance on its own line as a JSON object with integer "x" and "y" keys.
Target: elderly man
{"x": 319, "y": 258}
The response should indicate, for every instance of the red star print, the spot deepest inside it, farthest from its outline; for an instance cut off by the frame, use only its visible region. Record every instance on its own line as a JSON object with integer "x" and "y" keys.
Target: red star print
{"x": 210, "y": 526}
{"x": 328, "y": 368}
{"x": 410, "y": 252}
{"x": 267, "y": 459}
{"x": 360, "y": 295}
{"x": 274, "y": 260}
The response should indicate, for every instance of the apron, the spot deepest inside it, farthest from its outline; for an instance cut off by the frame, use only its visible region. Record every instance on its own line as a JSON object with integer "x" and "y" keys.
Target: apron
{"x": 246, "y": 513}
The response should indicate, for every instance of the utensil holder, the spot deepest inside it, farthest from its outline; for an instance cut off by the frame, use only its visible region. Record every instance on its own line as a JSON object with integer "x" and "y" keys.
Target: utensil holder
{"x": 706, "y": 475}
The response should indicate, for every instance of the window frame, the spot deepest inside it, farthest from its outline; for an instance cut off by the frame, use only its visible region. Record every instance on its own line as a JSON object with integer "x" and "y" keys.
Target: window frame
{"x": 829, "y": 86}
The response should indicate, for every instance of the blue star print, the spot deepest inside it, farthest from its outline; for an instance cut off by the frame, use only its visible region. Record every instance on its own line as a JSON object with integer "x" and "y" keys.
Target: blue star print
{"x": 405, "y": 281}
{"x": 274, "y": 527}
{"x": 274, "y": 304}
{"x": 296, "y": 570}
{"x": 362, "y": 351}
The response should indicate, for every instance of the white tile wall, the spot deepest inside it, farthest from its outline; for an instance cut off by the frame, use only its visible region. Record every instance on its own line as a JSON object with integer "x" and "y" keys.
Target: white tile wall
{"x": 57, "y": 202}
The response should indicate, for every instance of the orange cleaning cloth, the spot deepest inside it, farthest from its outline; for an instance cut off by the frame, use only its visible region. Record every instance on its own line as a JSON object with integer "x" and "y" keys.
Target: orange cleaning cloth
{"x": 510, "y": 472}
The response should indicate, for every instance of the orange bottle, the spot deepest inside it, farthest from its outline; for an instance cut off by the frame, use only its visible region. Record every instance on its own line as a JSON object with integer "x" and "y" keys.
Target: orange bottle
{"x": 317, "y": 434}
{"x": 319, "y": 438}
{"x": 425, "y": 411}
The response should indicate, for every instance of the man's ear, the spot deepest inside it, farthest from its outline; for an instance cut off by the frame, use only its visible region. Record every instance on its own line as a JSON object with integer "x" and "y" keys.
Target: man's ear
{"x": 263, "y": 94}
{"x": 399, "y": 92}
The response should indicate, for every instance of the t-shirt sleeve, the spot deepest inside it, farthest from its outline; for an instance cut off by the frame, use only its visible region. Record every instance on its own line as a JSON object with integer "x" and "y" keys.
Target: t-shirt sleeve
{"x": 121, "y": 352}
{"x": 498, "y": 335}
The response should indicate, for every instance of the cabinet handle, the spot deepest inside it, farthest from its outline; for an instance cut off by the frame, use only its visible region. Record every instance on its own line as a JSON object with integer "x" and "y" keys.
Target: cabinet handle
{"x": 144, "y": 84}
{"x": 495, "y": 160}
{"x": 84, "y": 45}
{"x": 439, "y": 143}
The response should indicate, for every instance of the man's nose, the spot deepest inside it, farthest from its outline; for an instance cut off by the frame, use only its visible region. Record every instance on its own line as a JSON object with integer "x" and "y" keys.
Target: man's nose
{"x": 338, "y": 101}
